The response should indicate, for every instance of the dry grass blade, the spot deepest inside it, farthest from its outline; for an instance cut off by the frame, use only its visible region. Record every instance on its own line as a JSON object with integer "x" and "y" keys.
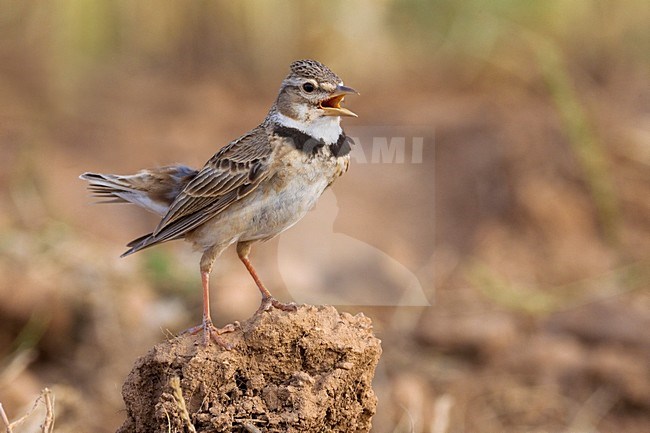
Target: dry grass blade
{"x": 442, "y": 410}
{"x": 250, "y": 428}
{"x": 175, "y": 384}
{"x": 3, "y": 415}
{"x": 48, "y": 423}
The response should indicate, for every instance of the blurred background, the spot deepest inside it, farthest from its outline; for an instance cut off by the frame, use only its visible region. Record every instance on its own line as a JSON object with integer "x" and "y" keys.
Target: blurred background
{"x": 526, "y": 223}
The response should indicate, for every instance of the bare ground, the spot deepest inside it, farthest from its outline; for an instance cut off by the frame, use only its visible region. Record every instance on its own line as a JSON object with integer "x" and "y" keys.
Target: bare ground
{"x": 304, "y": 371}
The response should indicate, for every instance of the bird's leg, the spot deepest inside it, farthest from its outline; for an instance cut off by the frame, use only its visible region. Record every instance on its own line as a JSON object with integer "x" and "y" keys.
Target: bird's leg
{"x": 268, "y": 301}
{"x": 209, "y": 330}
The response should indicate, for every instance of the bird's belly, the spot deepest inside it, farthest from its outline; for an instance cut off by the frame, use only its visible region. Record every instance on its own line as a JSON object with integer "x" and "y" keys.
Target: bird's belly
{"x": 278, "y": 206}
{"x": 273, "y": 207}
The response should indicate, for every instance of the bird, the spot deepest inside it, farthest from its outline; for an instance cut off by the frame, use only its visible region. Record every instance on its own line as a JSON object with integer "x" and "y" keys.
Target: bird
{"x": 253, "y": 188}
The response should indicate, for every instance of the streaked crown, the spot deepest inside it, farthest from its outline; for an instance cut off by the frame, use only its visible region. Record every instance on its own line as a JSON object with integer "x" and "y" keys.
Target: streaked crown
{"x": 315, "y": 70}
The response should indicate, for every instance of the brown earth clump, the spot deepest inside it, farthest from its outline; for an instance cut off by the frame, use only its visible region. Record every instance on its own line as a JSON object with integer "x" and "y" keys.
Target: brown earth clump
{"x": 304, "y": 371}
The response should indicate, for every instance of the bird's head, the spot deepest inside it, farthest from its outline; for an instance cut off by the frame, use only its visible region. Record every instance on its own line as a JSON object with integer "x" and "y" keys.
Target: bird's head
{"x": 312, "y": 92}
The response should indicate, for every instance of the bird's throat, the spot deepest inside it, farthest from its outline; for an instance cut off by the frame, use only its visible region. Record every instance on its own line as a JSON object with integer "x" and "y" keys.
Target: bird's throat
{"x": 325, "y": 128}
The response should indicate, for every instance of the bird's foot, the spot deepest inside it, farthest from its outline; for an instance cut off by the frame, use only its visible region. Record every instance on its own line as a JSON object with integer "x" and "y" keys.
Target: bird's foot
{"x": 270, "y": 302}
{"x": 211, "y": 332}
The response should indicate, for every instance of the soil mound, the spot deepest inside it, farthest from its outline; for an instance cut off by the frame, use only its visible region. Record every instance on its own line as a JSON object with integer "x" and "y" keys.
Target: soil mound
{"x": 303, "y": 371}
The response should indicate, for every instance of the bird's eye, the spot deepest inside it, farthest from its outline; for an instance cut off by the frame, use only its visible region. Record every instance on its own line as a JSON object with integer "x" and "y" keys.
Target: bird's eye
{"x": 308, "y": 87}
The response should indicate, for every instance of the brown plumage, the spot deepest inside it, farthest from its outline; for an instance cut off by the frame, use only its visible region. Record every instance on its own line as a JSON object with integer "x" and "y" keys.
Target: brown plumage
{"x": 252, "y": 189}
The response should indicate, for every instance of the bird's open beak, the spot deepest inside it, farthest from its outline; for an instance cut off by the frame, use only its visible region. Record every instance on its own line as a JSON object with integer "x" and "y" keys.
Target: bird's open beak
{"x": 332, "y": 105}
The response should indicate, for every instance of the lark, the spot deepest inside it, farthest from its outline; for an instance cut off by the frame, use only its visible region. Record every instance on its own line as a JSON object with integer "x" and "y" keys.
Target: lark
{"x": 252, "y": 189}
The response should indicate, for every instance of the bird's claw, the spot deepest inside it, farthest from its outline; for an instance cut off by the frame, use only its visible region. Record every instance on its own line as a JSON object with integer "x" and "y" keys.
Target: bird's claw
{"x": 211, "y": 332}
{"x": 269, "y": 302}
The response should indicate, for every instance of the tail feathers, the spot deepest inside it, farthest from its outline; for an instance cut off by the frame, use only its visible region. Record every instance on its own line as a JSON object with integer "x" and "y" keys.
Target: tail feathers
{"x": 138, "y": 244}
{"x": 153, "y": 190}
{"x": 118, "y": 189}
{"x": 146, "y": 241}
{"x": 106, "y": 187}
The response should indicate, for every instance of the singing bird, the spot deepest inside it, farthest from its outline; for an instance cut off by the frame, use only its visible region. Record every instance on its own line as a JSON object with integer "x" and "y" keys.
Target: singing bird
{"x": 253, "y": 188}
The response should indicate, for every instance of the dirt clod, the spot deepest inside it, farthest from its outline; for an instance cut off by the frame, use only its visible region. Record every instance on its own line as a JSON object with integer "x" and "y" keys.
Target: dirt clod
{"x": 303, "y": 371}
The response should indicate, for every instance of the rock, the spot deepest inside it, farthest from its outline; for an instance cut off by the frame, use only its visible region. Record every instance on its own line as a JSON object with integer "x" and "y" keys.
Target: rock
{"x": 304, "y": 371}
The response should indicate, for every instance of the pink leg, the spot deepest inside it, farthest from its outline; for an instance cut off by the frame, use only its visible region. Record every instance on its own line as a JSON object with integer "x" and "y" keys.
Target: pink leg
{"x": 209, "y": 330}
{"x": 268, "y": 301}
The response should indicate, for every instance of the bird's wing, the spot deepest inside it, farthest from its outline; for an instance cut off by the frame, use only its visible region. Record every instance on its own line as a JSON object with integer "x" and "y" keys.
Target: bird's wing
{"x": 232, "y": 173}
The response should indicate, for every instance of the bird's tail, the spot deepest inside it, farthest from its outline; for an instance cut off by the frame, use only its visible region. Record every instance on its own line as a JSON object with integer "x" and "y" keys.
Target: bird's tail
{"x": 153, "y": 190}
{"x": 139, "y": 244}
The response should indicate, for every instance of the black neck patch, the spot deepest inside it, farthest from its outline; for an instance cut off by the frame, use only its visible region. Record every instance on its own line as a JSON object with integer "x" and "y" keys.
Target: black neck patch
{"x": 343, "y": 145}
{"x": 311, "y": 145}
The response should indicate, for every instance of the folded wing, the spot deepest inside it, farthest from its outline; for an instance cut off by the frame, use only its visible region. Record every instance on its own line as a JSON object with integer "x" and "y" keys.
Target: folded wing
{"x": 231, "y": 174}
